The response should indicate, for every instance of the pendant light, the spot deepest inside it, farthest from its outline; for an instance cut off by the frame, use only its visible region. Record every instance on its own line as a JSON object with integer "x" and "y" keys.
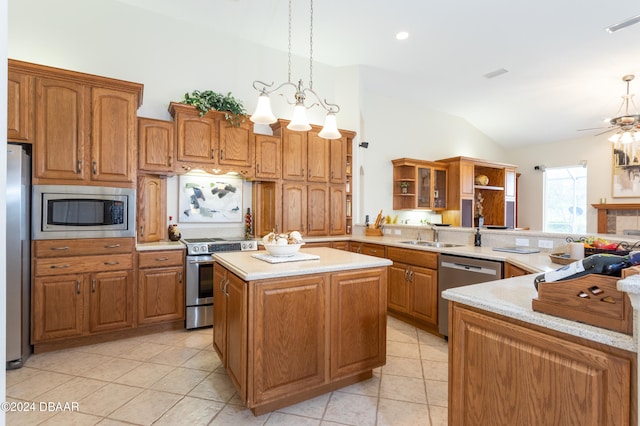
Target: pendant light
{"x": 299, "y": 121}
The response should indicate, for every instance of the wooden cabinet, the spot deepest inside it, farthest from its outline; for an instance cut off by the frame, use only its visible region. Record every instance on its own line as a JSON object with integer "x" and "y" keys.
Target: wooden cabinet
{"x": 81, "y": 287}
{"x": 161, "y": 289}
{"x": 267, "y": 208}
{"x": 280, "y": 306}
{"x": 318, "y": 220}
{"x": 61, "y": 115}
{"x": 368, "y": 248}
{"x": 19, "y": 106}
{"x": 318, "y": 167}
{"x": 152, "y": 208}
{"x": 358, "y": 321}
{"x": 511, "y": 271}
{"x": 538, "y": 376}
{"x": 211, "y": 143}
{"x": 84, "y": 126}
{"x": 230, "y": 326}
{"x": 294, "y": 207}
{"x": 156, "y": 146}
{"x": 413, "y": 285}
{"x": 286, "y": 339}
{"x": 497, "y": 197}
{"x": 268, "y": 151}
{"x": 338, "y": 160}
{"x": 419, "y": 184}
{"x": 294, "y": 153}
{"x": 337, "y": 210}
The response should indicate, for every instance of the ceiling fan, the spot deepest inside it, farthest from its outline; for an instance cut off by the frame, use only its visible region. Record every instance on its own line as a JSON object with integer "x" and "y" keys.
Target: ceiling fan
{"x": 626, "y": 126}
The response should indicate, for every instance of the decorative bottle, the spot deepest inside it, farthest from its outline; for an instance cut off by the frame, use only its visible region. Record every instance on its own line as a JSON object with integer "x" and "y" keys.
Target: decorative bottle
{"x": 248, "y": 230}
{"x": 173, "y": 232}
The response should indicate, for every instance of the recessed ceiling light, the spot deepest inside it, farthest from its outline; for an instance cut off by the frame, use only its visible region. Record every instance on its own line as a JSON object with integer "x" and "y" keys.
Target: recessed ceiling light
{"x": 622, "y": 25}
{"x": 402, "y": 35}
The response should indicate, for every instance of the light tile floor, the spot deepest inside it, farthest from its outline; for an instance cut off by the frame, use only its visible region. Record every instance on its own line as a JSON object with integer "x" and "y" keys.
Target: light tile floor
{"x": 175, "y": 378}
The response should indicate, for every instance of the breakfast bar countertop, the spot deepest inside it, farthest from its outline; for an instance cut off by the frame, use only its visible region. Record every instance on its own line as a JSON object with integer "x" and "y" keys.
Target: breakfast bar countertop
{"x": 512, "y": 298}
{"x": 247, "y": 267}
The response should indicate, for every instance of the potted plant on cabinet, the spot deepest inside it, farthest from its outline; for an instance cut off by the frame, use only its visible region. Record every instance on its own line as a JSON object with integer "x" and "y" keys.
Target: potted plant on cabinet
{"x": 404, "y": 187}
{"x": 207, "y": 100}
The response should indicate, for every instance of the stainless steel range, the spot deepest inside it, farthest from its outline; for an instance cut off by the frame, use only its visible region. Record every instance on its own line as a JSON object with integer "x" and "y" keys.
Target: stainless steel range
{"x": 199, "y": 276}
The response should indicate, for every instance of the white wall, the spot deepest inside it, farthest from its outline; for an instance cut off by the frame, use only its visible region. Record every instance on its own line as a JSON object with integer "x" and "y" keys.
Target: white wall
{"x": 596, "y": 150}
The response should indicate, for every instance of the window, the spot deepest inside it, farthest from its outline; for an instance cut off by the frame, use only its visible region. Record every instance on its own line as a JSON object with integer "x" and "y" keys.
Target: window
{"x": 565, "y": 200}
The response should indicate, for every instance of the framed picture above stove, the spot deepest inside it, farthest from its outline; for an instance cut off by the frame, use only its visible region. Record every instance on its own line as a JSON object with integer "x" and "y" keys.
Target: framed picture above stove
{"x": 204, "y": 198}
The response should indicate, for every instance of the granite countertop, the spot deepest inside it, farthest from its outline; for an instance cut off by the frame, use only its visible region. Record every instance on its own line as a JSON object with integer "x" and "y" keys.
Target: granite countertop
{"x": 512, "y": 298}
{"x": 250, "y": 268}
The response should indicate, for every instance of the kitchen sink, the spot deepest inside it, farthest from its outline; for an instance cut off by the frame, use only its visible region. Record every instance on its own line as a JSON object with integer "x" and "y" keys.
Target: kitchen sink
{"x": 430, "y": 243}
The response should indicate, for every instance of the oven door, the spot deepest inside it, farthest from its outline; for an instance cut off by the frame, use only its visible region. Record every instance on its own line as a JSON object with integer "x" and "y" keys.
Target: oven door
{"x": 199, "y": 288}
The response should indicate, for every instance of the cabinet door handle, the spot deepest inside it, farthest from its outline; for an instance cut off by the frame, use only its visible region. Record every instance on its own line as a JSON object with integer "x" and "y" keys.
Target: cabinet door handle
{"x": 108, "y": 246}
{"x": 111, "y": 263}
{"x": 213, "y": 154}
{"x": 302, "y": 172}
{"x": 79, "y": 166}
{"x": 180, "y": 277}
{"x": 331, "y": 174}
{"x": 226, "y": 284}
{"x": 64, "y": 265}
{"x": 161, "y": 259}
{"x": 95, "y": 167}
{"x": 406, "y": 275}
{"x": 142, "y": 231}
{"x": 59, "y": 248}
{"x": 258, "y": 168}
{"x": 170, "y": 161}
{"x": 93, "y": 286}
{"x": 411, "y": 276}
{"x": 309, "y": 173}
{"x": 77, "y": 286}
{"x": 222, "y": 154}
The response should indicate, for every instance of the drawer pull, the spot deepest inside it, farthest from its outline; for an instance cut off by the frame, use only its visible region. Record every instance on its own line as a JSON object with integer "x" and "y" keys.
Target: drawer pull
{"x": 180, "y": 277}
{"x": 59, "y": 248}
{"x": 79, "y": 166}
{"x": 112, "y": 246}
{"x": 78, "y": 287}
{"x": 95, "y": 167}
{"x": 161, "y": 259}
{"x": 112, "y": 263}
{"x": 66, "y": 265}
{"x": 93, "y": 286}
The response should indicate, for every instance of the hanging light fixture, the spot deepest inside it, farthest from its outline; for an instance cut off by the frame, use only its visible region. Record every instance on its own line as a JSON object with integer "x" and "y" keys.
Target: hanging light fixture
{"x": 627, "y": 126}
{"x": 299, "y": 121}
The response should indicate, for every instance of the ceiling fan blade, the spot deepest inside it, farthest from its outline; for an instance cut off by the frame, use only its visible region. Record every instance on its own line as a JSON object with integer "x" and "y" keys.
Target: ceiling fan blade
{"x": 606, "y": 131}
{"x": 592, "y": 128}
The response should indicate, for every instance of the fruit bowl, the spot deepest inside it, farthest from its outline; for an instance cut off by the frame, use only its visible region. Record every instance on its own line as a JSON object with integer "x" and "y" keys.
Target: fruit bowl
{"x": 282, "y": 250}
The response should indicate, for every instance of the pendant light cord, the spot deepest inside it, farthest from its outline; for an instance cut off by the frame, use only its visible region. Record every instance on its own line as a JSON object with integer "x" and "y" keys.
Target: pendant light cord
{"x": 311, "y": 48}
{"x": 289, "y": 64}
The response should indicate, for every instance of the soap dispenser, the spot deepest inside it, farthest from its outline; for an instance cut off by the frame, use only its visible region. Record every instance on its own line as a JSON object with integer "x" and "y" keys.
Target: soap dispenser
{"x": 477, "y": 241}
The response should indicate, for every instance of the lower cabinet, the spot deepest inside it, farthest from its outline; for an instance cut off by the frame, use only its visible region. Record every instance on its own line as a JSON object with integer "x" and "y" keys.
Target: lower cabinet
{"x": 503, "y": 372}
{"x": 377, "y": 250}
{"x": 87, "y": 289}
{"x": 287, "y": 339}
{"x": 161, "y": 290}
{"x": 413, "y": 285}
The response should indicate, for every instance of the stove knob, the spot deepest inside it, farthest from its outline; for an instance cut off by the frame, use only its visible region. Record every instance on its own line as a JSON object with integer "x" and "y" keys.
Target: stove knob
{"x": 196, "y": 248}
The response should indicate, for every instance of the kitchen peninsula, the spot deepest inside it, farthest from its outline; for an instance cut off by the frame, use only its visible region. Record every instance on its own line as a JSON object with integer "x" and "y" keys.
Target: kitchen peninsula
{"x": 289, "y": 331}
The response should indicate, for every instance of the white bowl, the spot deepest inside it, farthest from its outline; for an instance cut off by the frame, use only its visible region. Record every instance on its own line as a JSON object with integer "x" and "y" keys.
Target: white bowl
{"x": 282, "y": 249}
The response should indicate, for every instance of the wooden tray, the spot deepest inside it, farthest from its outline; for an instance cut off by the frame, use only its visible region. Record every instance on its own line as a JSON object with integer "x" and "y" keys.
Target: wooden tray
{"x": 592, "y": 299}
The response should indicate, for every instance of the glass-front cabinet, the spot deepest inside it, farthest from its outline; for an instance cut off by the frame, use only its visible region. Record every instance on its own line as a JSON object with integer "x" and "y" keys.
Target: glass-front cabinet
{"x": 419, "y": 184}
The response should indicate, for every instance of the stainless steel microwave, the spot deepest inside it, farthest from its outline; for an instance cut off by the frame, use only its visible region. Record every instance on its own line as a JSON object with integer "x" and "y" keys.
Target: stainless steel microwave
{"x": 75, "y": 211}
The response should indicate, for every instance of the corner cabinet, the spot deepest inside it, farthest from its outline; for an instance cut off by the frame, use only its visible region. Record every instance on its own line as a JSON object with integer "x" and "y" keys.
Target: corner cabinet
{"x": 495, "y": 199}
{"x": 505, "y": 372}
{"x": 419, "y": 184}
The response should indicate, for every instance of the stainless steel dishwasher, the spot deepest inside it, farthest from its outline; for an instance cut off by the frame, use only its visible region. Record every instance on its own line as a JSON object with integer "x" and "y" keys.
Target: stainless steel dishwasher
{"x": 458, "y": 271}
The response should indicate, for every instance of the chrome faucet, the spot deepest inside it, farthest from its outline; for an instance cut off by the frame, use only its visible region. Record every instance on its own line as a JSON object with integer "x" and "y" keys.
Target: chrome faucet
{"x": 434, "y": 228}
{"x": 419, "y": 237}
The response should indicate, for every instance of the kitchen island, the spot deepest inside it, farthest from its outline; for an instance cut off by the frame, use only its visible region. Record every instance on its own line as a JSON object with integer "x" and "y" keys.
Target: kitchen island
{"x": 511, "y": 365}
{"x": 290, "y": 331}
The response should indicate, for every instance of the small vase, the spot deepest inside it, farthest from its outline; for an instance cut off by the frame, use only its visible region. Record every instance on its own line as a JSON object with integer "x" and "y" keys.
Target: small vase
{"x": 404, "y": 190}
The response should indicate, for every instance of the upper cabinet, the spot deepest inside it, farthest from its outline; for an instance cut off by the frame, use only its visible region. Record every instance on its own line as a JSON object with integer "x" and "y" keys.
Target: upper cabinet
{"x": 156, "y": 146}
{"x": 480, "y": 188}
{"x": 268, "y": 151}
{"x": 84, "y": 126}
{"x": 19, "y": 107}
{"x": 419, "y": 184}
{"x": 211, "y": 143}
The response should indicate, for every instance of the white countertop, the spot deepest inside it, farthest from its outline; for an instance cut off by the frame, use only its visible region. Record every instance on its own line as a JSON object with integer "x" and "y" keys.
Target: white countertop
{"x": 249, "y": 268}
{"x": 512, "y": 298}
{"x": 160, "y": 245}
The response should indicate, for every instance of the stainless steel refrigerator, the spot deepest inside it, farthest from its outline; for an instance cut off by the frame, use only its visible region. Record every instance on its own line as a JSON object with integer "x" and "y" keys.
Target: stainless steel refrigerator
{"x": 18, "y": 238}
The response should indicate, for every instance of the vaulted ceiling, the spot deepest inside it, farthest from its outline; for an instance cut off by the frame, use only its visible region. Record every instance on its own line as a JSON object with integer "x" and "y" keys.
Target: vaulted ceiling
{"x": 564, "y": 70}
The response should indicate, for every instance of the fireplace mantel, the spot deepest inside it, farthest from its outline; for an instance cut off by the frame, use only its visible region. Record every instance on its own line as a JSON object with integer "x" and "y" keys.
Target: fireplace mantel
{"x": 602, "y": 213}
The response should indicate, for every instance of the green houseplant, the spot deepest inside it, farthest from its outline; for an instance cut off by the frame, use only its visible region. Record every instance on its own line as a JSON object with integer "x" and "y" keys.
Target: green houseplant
{"x": 208, "y": 100}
